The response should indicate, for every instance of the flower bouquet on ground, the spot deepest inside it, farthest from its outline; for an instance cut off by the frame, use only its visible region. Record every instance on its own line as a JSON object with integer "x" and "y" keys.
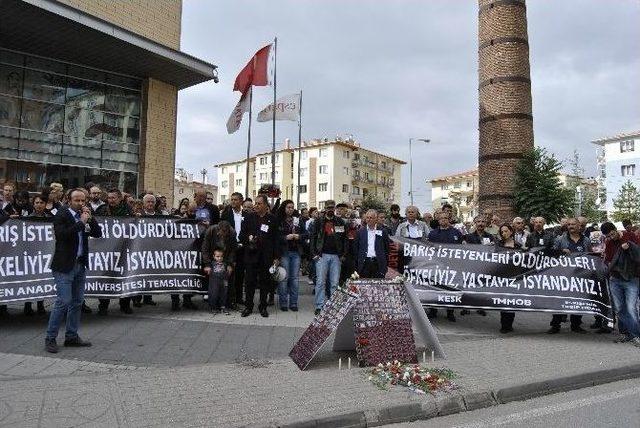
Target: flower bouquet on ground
{"x": 419, "y": 379}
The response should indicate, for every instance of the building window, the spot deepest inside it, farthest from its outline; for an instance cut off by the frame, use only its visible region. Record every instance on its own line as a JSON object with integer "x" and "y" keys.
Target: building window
{"x": 383, "y": 164}
{"x": 345, "y": 188}
{"x": 345, "y": 170}
{"x": 237, "y": 168}
{"x": 356, "y": 190}
{"x": 277, "y": 157}
{"x": 628, "y": 170}
{"x": 626, "y": 146}
{"x": 346, "y": 154}
{"x": 457, "y": 185}
{"x": 356, "y": 156}
{"x": 324, "y": 153}
{"x": 304, "y": 155}
{"x": 322, "y": 187}
{"x": 356, "y": 173}
{"x": 323, "y": 169}
{"x": 444, "y": 186}
{"x": 303, "y": 172}
{"x": 263, "y": 177}
{"x": 365, "y": 192}
{"x": 469, "y": 184}
{"x": 223, "y": 170}
{"x": 263, "y": 160}
{"x": 181, "y": 191}
{"x": 224, "y": 184}
{"x": 366, "y": 176}
{"x": 239, "y": 182}
{"x": 302, "y": 188}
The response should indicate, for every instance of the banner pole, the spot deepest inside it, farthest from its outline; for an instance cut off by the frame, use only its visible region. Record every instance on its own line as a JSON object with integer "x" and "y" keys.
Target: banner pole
{"x": 299, "y": 150}
{"x": 246, "y": 184}
{"x": 273, "y": 149}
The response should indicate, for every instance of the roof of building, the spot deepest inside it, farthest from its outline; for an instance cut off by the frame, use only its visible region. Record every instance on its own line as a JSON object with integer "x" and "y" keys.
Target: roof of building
{"x": 314, "y": 145}
{"x": 52, "y": 29}
{"x": 465, "y": 174}
{"x": 603, "y": 141}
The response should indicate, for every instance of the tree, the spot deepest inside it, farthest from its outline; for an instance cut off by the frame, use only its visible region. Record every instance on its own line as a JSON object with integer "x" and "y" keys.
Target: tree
{"x": 537, "y": 188}
{"x": 371, "y": 202}
{"x": 627, "y": 204}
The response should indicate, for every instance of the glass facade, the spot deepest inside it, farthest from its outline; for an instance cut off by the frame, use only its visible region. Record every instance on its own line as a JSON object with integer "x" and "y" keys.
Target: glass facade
{"x": 66, "y": 123}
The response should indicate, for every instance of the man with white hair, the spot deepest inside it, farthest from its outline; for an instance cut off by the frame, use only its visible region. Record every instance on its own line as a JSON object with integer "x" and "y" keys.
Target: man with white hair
{"x": 519, "y": 232}
{"x": 412, "y": 227}
{"x": 371, "y": 248}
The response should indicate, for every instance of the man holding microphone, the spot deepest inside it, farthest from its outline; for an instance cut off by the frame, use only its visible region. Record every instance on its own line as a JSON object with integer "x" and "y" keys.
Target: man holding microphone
{"x": 72, "y": 226}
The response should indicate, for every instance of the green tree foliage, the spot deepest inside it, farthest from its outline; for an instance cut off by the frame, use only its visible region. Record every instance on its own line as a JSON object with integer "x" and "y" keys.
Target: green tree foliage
{"x": 627, "y": 204}
{"x": 537, "y": 188}
{"x": 371, "y": 202}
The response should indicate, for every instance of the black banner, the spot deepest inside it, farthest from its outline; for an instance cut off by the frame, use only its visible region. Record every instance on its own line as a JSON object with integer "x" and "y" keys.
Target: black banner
{"x": 135, "y": 256}
{"x": 488, "y": 277}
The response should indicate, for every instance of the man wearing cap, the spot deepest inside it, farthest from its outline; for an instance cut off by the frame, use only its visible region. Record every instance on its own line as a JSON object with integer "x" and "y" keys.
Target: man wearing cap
{"x": 328, "y": 249}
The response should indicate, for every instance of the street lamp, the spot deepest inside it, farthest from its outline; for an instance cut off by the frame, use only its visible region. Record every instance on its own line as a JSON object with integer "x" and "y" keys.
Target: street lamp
{"x": 424, "y": 140}
{"x": 579, "y": 200}
{"x": 204, "y": 174}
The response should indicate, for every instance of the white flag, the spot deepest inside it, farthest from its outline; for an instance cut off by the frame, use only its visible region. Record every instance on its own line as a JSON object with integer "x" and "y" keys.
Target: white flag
{"x": 287, "y": 108}
{"x": 233, "y": 124}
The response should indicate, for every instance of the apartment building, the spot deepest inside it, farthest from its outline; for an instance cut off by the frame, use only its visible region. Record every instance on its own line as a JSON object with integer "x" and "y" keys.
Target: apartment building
{"x": 338, "y": 169}
{"x": 461, "y": 191}
{"x": 184, "y": 186}
{"x": 617, "y": 161}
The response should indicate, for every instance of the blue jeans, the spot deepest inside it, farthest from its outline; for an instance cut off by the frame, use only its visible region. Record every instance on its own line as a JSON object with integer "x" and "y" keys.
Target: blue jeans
{"x": 326, "y": 265}
{"x": 625, "y": 301}
{"x": 288, "y": 288}
{"x": 70, "y": 294}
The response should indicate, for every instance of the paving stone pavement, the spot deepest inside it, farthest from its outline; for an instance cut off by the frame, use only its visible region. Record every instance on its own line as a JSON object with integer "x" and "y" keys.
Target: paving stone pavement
{"x": 158, "y": 368}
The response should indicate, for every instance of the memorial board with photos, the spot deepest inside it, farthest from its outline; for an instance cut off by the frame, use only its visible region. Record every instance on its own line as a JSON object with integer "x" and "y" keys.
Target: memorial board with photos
{"x": 333, "y": 312}
{"x": 382, "y": 323}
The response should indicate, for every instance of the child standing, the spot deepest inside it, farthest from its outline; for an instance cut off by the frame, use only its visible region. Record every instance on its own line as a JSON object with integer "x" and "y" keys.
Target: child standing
{"x": 218, "y": 283}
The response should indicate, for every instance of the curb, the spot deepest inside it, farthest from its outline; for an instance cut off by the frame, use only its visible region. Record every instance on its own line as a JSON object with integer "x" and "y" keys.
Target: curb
{"x": 461, "y": 402}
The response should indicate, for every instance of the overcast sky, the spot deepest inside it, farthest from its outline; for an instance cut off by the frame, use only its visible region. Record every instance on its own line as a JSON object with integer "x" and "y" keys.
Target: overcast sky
{"x": 388, "y": 71}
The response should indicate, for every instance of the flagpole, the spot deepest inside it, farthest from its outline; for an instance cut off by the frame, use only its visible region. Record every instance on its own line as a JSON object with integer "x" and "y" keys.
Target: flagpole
{"x": 246, "y": 185}
{"x": 273, "y": 150}
{"x": 299, "y": 149}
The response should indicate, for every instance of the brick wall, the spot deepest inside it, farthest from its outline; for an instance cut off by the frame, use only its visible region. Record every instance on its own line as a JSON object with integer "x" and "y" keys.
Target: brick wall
{"x": 158, "y": 147}
{"x": 158, "y": 20}
{"x": 506, "y": 122}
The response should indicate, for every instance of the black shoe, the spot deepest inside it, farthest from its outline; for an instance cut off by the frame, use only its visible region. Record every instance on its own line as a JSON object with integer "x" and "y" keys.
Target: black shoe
{"x": 51, "y": 346}
{"x": 578, "y": 329}
{"x": 505, "y": 330}
{"x": 137, "y": 304}
{"x": 41, "y": 310}
{"x": 189, "y": 305}
{"x": 103, "y": 312}
{"x": 149, "y": 302}
{"x": 76, "y": 343}
{"x": 86, "y": 309}
{"x": 554, "y": 330}
{"x": 604, "y": 330}
{"x": 432, "y": 313}
{"x": 564, "y": 318}
{"x": 451, "y": 318}
{"x": 126, "y": 309}
{"x": 284, "y": 309}
{"x": 246, "y": 312}
{"x": 264, "y": 313}
{"x": 317, "y": 312}
{"x": 596, "y": 325}
{"x": 483, "y": 313}
{"x": 28, "y": 310}
{"x": 294, "y": 308}
{"x": 4, "y": 313}
{"x": 465, "y": 312}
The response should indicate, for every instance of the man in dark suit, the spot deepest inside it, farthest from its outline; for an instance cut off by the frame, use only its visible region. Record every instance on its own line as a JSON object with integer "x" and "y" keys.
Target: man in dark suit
{"x": 72, "y": 225}
{"x": 262, "y": 249}
{"x": 371, "y": 248}
{"x": 235, "y": 215}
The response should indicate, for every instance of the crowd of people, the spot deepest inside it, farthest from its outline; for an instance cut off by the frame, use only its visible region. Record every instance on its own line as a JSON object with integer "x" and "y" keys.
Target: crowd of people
{"x": 251, "y": 245}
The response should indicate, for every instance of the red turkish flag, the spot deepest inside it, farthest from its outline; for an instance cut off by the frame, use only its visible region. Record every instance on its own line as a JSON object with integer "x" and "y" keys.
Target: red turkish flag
{"x": 255, "y": 72}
